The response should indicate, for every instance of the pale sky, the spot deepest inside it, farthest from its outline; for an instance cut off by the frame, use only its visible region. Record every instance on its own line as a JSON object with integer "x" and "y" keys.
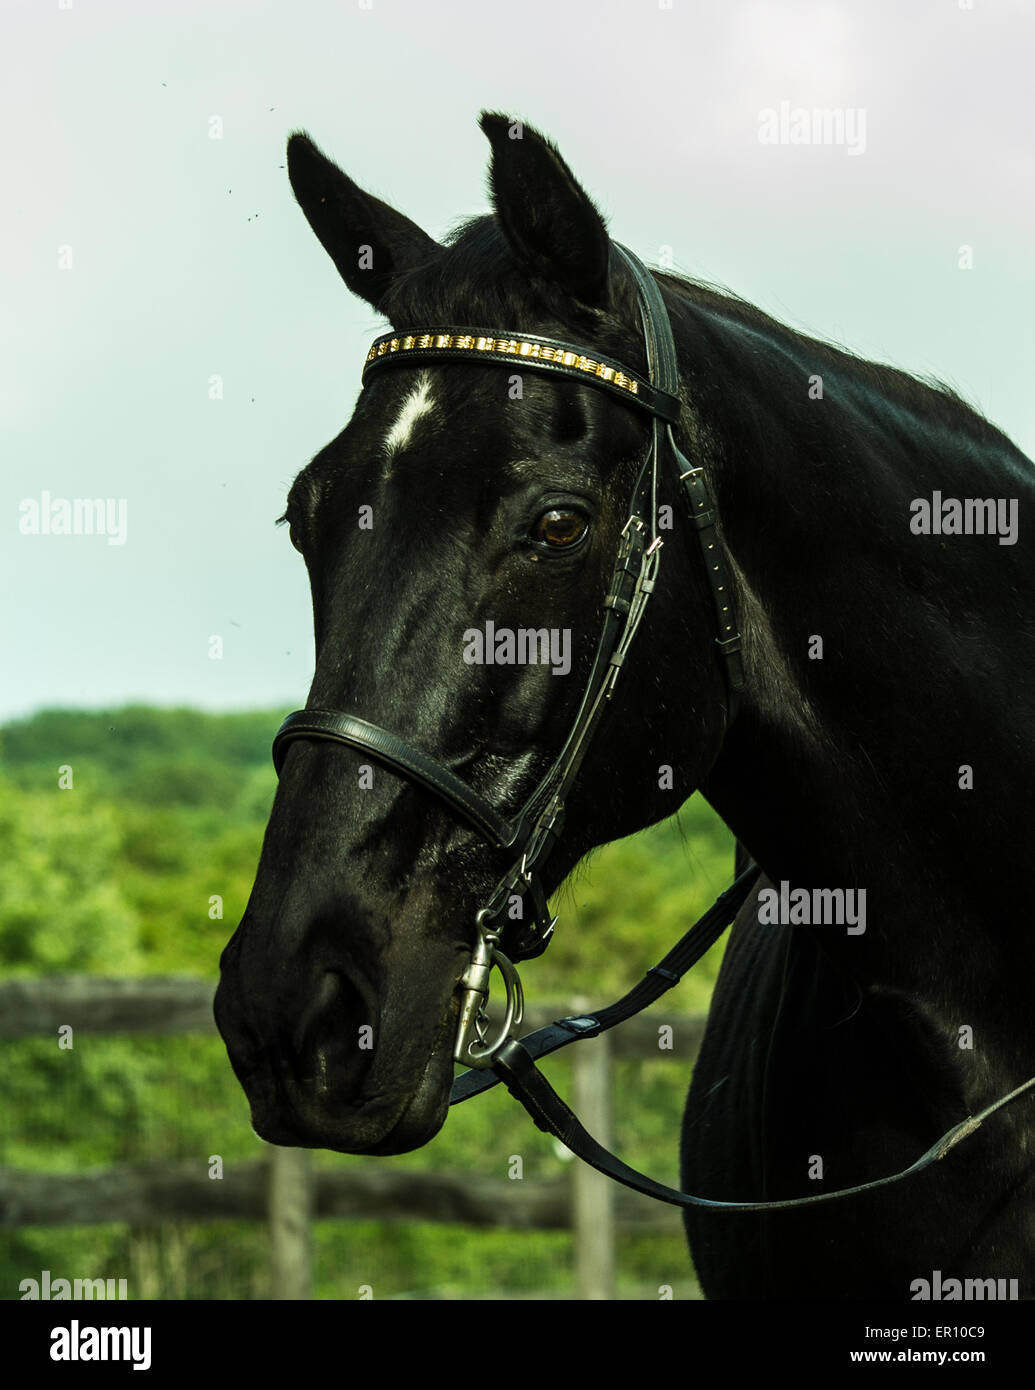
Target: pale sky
{"x": 189, "y": 258}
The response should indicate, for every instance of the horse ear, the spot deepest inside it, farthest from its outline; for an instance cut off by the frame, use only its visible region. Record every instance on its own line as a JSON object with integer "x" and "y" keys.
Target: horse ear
{"x": 546, "y": 216}
{"x": 368, "y": 241}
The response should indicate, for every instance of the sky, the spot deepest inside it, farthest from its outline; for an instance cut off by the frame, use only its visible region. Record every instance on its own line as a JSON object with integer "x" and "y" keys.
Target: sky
{"x": 176, "y": 343}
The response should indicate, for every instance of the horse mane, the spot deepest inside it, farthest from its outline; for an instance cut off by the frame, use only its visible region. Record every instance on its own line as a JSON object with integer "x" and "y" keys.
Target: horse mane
{"x": 920, "y": 393}
{"x": 479, "y": 281}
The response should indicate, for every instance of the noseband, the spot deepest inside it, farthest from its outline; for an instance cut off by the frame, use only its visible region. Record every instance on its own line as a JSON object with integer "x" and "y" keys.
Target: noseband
{"x": 532, "y": 833}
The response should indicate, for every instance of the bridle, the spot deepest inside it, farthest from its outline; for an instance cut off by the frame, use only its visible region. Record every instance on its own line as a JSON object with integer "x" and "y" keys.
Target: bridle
{"x": 532, "y": 833}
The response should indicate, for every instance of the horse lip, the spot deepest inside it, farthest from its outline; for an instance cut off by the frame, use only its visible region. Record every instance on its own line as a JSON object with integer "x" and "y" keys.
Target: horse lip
{"x": 284, "y": 1114}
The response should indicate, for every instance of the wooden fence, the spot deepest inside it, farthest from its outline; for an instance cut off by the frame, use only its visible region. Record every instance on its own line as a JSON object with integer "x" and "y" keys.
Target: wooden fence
{"x": 285, "y": 1190}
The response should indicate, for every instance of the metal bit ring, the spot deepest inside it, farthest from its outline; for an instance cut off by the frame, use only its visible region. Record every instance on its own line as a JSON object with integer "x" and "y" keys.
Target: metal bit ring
{"x": 472, "y": 1049}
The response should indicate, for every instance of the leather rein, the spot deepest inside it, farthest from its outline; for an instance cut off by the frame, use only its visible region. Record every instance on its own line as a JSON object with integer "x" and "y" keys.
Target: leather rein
{"x": 531, "y": 834}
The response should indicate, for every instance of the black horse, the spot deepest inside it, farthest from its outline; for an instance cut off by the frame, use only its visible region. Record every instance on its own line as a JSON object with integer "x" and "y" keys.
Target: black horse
{"x": 883, "y": 749}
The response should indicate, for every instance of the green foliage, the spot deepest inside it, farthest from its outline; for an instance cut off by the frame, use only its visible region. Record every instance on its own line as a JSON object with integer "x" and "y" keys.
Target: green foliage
{"x": 633, "y": 900}
{"x": 120, "y": 741}
{"x": 62, "y": 905}
{"x": 124, "y": 872}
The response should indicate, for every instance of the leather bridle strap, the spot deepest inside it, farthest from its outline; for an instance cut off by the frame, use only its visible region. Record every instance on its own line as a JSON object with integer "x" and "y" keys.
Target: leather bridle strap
{"x": 526, "y": 1083}
{"x": 514, "y": 1065}
{"x": 549, "y": 355}
{"x": 657, "y": 981}
{"x": 700, "y": 501}
{"x": 401, "y": 758}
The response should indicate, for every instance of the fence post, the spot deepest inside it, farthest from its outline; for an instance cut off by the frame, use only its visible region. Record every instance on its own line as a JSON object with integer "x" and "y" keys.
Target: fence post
{"x": 593, "y": 1194}
{"x": 290, "y": 1221}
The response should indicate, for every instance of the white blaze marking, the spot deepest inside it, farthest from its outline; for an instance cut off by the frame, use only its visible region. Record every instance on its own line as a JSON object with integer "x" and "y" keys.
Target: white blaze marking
{"x": 416, "y": 404}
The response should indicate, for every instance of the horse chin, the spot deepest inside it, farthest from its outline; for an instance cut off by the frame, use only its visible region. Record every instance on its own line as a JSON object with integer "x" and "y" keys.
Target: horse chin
{"x": 389, "y": 1123}
{"x": 417, "y": 1126}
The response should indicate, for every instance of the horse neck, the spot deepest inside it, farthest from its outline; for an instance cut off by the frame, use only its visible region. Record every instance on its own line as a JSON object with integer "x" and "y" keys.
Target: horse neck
{"x": 871, "y": 654}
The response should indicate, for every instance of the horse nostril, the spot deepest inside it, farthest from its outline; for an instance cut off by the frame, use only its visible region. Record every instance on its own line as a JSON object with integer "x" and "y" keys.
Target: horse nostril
{"x": 319, "y": 1004}
{"x": 330, "y": 1026}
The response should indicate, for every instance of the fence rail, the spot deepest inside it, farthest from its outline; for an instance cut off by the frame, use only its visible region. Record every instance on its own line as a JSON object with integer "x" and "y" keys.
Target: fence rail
{"x": 152, "y": 1194}
{"x": 285, "y": 1190}
{"x": 34, "y": 1006}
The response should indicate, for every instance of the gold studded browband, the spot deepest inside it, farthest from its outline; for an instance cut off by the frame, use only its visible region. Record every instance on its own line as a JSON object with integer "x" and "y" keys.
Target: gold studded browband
{"x": 528, "y": 350}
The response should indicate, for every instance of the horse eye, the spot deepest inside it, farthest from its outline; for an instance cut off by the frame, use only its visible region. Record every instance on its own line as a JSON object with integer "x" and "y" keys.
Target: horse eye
{"x": 285, "y": 520}
{"x": 560, "y": 528}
